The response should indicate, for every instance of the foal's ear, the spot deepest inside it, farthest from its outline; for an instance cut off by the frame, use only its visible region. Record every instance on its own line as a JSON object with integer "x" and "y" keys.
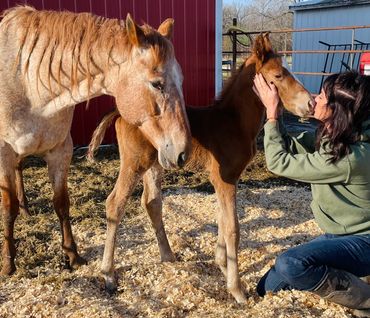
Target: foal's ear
{"x": 134, "y": 33}
{"x": 262, "y": 46}
{"x": 166, "y": 28}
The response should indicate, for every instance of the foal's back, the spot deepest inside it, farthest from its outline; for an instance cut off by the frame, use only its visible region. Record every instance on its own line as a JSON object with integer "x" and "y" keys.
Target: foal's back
{"x": 224, "y": 134}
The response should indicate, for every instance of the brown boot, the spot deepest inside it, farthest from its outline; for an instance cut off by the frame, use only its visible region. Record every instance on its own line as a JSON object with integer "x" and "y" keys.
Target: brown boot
{"x": 346, "y": 289}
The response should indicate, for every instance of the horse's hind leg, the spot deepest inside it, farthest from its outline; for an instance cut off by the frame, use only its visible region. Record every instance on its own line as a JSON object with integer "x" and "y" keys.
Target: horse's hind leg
{"x": 23, "y": 202}
{"x": 151, "y": 201}
{"x": 10, "y": 207}
{"x": 58, "y": 160}
{"x": 228, "y": 241}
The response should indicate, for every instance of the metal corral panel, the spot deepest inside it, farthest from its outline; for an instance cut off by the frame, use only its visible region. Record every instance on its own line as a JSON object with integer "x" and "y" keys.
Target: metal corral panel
{"x": 325, "y": 17}
{"x": 194, "y": 41}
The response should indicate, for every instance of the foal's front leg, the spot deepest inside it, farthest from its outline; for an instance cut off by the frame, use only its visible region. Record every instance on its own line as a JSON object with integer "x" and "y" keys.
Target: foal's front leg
{"x": 115, "y": 205}
{"x": 228, "y": 236}
{"x": 58, "y": 160}
{"x": 151, "y": 201}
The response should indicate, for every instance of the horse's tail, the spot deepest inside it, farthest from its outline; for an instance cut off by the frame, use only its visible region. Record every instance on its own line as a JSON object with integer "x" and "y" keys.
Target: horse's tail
{"x": 99, "y": 133}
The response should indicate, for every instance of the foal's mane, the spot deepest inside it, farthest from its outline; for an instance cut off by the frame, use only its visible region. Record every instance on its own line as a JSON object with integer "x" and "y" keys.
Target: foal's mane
{"x": 229, "y": 86}
{"x": 249, "y": 66}
{"x": 79, "y": 35}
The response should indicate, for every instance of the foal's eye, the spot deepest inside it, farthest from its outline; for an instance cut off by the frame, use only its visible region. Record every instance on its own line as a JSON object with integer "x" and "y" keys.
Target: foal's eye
{"x": 278, "y": 76}
{"x": 158, "y": 85}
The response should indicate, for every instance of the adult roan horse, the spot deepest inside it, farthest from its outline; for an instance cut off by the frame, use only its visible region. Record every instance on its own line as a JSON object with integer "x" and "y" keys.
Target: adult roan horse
{"x": 223, "y": 143}
{"x": 51, "y": 61}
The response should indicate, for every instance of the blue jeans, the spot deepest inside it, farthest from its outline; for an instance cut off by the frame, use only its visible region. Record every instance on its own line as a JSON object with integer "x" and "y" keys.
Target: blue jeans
{"x": 305, "y": 266}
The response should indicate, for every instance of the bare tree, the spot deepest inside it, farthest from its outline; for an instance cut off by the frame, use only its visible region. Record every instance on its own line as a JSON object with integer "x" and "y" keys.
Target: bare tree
{"x": 261, "y": 15}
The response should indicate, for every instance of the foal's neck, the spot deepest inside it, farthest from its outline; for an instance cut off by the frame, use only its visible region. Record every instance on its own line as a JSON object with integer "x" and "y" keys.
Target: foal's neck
{"x": 238, "y": 92}
{"x": 239, "y": 96}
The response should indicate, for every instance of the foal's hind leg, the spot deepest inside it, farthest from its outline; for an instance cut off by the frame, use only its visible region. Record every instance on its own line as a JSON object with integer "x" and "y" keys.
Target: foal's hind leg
{"x": 23, "y": 202}
{"x": 58, "y": 160}
{"x": 228, "y": 240}
{"x": 151, "y": 201}
{"x": 10, "y": 206}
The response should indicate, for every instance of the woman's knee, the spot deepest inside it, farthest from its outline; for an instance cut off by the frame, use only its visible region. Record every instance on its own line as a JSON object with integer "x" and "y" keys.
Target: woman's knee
{"x": 291, "y": 265}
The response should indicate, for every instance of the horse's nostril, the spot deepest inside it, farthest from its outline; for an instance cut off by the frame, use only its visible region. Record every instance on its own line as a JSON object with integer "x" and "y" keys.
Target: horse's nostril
{"x": 181, "y": 159}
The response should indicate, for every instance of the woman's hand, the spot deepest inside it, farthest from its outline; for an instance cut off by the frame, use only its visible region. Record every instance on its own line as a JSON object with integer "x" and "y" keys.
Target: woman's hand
{"x": 268, "y": 95}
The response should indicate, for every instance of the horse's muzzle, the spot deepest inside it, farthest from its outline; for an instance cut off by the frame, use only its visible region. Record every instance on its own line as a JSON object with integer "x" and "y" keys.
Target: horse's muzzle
{"x": 171, "y": 159}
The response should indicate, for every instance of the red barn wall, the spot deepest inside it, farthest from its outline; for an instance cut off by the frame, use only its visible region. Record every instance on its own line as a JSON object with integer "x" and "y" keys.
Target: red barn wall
{"x": 194, "y": 41}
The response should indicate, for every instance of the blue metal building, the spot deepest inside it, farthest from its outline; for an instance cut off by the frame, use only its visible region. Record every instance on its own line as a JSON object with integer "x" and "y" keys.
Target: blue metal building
{"x": 320, "y": 14}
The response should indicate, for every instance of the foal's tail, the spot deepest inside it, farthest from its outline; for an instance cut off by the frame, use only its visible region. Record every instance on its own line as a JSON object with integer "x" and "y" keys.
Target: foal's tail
{"x": 99, "y": 133}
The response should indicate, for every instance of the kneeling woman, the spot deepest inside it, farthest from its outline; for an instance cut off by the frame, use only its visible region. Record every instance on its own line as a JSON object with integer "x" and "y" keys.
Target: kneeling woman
{"x": 337, "y": 164}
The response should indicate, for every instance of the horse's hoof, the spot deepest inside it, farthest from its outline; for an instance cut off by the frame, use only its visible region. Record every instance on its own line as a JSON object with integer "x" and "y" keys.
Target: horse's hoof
{"x": 168, "y": 258}
{"x": 77, "y": 262}
{"x": 239, "y": 296}
{"x": 111, "y": 286}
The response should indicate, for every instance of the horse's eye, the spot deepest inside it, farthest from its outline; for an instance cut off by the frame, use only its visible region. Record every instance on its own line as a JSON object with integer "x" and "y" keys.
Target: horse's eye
{"x": 158, "y": 85}
{"x": 278, "y": 76}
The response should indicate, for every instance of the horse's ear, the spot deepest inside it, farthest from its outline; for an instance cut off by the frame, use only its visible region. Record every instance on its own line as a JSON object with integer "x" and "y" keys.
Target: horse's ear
{"x": 262, "y": 46}
{"x": 134, "y": 33}
{"x": 166, "y": 28}
{"x": 267, "y": 42}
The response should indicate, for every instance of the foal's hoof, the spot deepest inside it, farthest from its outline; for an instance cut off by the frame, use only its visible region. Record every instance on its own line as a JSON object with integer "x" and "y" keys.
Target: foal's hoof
{"x": 111, "y": 289}
{"x": 111, "y": 285}
{"x": 168, "y": 258}
{"x": 239, "y": 296}
{"x": 77, "y": 262}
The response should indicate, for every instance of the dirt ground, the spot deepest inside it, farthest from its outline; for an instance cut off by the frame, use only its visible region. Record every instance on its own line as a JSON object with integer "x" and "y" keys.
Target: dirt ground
{"x": 274, "y": 215}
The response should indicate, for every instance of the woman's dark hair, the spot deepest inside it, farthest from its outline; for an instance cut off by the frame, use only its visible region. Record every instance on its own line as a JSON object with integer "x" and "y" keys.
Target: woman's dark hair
{"x": 348, "y": 96}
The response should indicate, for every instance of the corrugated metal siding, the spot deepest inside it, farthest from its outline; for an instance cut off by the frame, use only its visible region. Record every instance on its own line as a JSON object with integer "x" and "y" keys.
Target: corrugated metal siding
{"x": 331, "y": 17}
{"x": 194, "y": 41}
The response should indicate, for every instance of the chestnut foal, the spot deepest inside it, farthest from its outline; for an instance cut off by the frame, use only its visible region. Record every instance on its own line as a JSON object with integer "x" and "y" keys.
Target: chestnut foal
{"x": 223, "y": 143}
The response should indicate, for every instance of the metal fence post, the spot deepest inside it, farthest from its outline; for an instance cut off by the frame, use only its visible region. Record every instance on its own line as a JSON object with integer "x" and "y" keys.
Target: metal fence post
{"x": 234, "y": 43}
{"x": 352, "y": 48}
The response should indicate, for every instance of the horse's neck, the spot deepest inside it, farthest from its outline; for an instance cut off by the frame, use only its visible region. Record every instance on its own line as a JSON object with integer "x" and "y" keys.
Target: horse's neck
{"x": 100, "y": 79}
{"x": 239, "y": 93}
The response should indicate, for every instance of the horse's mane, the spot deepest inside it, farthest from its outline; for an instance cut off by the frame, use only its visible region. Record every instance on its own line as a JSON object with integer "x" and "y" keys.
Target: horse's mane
{"x": 77, "y": 34}
{"x": 228, "y": 88}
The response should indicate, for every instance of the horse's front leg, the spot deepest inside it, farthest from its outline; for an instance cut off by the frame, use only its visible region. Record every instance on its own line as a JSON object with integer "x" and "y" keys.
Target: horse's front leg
{"x": 10, "y": 206}
{"x": 228, "y": 236}
{"x": 58, "y": 160}
{"x": 151, "y": 201}
{"x": 115, "y": 205}
{"x": 23, "y": 202}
